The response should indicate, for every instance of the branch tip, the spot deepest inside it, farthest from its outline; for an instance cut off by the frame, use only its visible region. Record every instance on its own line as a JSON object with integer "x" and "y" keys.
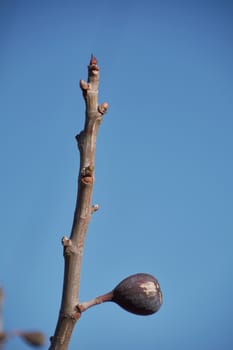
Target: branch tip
{"x": 93, "y": 60}
{"x": 93, "y": 65}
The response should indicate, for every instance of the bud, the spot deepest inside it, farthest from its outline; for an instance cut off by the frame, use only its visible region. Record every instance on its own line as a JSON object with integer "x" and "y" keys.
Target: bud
{"x": 3, "y": 338}
{"x": 33, "y": 338}
{"x": 93, "y": 60}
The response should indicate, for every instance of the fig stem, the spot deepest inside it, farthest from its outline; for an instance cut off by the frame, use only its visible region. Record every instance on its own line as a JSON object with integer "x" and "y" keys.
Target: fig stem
{"x": 96, "y": 301}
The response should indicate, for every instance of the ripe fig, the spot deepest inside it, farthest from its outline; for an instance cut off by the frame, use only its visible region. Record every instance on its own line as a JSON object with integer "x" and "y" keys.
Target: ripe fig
{"x": 139, "y": 294}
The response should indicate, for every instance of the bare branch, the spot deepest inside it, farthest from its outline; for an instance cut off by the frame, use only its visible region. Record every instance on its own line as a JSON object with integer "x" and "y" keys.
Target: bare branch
{"x": 73, "y": 246}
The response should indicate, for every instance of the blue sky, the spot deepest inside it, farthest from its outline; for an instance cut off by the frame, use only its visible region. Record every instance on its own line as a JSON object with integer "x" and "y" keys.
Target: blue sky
{"x": 163, "y": 166}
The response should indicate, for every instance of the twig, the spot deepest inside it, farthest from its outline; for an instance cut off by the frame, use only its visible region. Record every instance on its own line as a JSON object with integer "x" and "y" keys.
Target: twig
{"x": 73, "y": 246}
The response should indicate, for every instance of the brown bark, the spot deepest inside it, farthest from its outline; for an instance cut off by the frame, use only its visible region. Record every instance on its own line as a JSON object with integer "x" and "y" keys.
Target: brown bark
{"x": 73, "y": 246}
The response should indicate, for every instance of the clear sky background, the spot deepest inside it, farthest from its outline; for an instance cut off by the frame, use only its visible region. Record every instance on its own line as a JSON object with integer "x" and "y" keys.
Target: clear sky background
{"x": 163, "y": 166}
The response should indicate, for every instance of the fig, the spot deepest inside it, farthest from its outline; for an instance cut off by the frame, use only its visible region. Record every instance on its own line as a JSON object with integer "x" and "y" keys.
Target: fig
{"x": 139, "y": 294}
